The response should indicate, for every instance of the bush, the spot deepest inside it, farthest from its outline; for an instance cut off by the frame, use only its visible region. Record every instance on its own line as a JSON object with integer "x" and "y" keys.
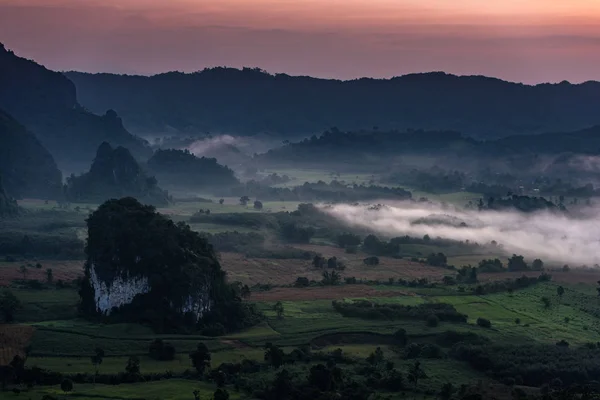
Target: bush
{"x": 484, "y": 323}
{"x": 374, "y": 260}
{"x": 433, "y": 321}
{"x": 301, "y": 281}
{"x": 161, "y": 351}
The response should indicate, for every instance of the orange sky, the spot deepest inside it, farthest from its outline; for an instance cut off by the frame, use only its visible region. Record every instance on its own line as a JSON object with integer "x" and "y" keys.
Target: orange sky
{"x": 521, "y": 40}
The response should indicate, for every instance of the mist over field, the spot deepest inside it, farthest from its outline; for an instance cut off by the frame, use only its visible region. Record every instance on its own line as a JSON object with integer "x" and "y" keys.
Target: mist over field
{"x": 550, "y": 236}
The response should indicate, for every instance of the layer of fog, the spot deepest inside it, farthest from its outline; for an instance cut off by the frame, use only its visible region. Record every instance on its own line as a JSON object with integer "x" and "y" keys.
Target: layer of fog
{"x": 552, "y": 237}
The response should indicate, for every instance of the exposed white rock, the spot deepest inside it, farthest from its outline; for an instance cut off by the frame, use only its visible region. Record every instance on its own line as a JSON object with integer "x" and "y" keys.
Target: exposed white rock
{"x": 118, "y": 292}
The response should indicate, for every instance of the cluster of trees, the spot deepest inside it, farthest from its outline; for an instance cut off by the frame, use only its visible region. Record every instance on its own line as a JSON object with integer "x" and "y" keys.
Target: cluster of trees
{"x": 520, "y": 203}
{"x": 183, "y": 169}
{"x": 335, "y": 191}
{"x": 430, "y": 180}
{"x": 368, "y": 310}
{"x": 533, "y": 365}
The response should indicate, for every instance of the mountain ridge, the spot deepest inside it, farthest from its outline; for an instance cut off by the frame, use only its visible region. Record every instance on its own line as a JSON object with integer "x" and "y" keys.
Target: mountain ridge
{"x": 251, "y": 101}
{"x": 45, "y": 102}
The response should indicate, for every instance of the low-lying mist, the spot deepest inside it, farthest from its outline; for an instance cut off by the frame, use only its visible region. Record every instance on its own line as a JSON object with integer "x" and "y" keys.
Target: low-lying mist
{"x": 552, "y": 237}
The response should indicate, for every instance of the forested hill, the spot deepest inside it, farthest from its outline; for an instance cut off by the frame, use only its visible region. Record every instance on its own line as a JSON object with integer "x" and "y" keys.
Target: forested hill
{"x": 46, "y": 103}
{"x": 249, "y": 101}
{"x": 27, "y": 168}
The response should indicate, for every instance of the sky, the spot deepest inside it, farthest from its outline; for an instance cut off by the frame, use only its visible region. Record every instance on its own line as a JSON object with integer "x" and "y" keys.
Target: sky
{"x": 529, "y": 41}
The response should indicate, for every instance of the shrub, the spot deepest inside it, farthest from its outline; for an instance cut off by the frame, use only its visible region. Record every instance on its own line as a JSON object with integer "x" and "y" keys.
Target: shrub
{"x": 301, "y": 281}
{"x": 433, "y": 321}
{"x": 161, "y": 351}
{"x": 484, "y": 323}
{"x": 374, "y": 260}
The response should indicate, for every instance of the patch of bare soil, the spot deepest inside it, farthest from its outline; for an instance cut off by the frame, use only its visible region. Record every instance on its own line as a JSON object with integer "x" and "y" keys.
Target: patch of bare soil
{"x": 260, "y": 270}
{"x": 65, "y": 270}
{"x": 325, "y": 293}
{"x": 13, "y": 340}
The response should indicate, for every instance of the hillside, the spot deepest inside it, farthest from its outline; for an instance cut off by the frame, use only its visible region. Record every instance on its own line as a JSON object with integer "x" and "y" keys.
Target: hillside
{"x": 114, "y": 174}
{"x": 46, "y": 103}
{"x": 8, "y": 205}
{"x": 250, "y": 101}
{"x": 182, "y": 169}
{"x": 27, "y": 168}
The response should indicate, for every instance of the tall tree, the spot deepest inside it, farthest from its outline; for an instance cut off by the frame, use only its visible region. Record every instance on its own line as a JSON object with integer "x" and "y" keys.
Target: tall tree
{"x": 200, "y": 358}
{"x": 97, "y": 359}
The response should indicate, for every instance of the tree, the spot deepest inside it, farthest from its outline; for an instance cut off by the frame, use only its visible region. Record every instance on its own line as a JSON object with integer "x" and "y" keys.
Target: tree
{"x": 200, "y": 358}
{"x": 415, "y": 373}
{"x": 318, "y": 261}
{"x": 331, "y": 278}
{"x": 278, "y": 308}
{"x": 97, "y": 359}
{"x": 49, "y": 275}
{"x": 560, "y": 291}
{"x": 258, "y": 205}
{"x": 537, "y": 265}
{"x": 244, "y": 200}
{"x": 245, "y": 291}
{"x": 332, "y": 262}
{"x": 484, "y": 323}
{"x": 373, "y": 260}
{"x": 433, "y": 321}
{"x": 23, "y": 269}
{"x": 376, "y": 357}
{"x": 447, "y": 391}
{"x": 221, "y": 394}
{"x": 221, "y": 201}
{"x": 401, "y": 337}
{"x": 517, "y": 263}
{"x": 161, "y": 350}
{"x": 133, "y": 366}
{"x": 66, "y": 385}
{"x": 9, "y": 303}
{"x": 546, "y": 302}
{"x": 274, "y": 355}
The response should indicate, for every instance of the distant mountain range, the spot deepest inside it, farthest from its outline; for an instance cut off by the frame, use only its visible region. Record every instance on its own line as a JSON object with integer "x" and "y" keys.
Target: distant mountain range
{"x": 45, "y": 102}
{"x": 251, "y": 101}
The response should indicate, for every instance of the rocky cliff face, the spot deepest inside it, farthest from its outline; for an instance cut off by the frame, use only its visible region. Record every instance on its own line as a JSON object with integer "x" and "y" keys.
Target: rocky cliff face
{"x": 117, "y": 292}
{"x": 121, "y": 291}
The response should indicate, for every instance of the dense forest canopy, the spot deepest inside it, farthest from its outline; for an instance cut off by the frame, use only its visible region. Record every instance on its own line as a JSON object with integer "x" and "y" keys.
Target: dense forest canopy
{"x": 251, "y": 101}
{"x": 182, "y": 168}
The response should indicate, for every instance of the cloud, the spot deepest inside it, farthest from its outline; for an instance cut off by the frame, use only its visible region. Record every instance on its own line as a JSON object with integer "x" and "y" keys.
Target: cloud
{"x": 552, "y": 237}
{"x": 341, "y": 39}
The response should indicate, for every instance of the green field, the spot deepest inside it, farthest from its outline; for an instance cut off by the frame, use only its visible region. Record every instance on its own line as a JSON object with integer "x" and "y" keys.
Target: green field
{"x": 172, "y": 389}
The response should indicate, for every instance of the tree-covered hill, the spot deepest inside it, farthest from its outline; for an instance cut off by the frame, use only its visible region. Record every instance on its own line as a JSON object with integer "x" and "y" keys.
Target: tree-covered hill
{"x": 251, "y": 101}
{"x": 180, "y": 168}
{"x": 27, "y": 168}
{"x": 46, "y": 103}
{"x": 114, "y": 174}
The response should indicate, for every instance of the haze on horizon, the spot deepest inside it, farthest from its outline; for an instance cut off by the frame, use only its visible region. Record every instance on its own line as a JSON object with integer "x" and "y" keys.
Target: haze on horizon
{"x": 529, "y": 41}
